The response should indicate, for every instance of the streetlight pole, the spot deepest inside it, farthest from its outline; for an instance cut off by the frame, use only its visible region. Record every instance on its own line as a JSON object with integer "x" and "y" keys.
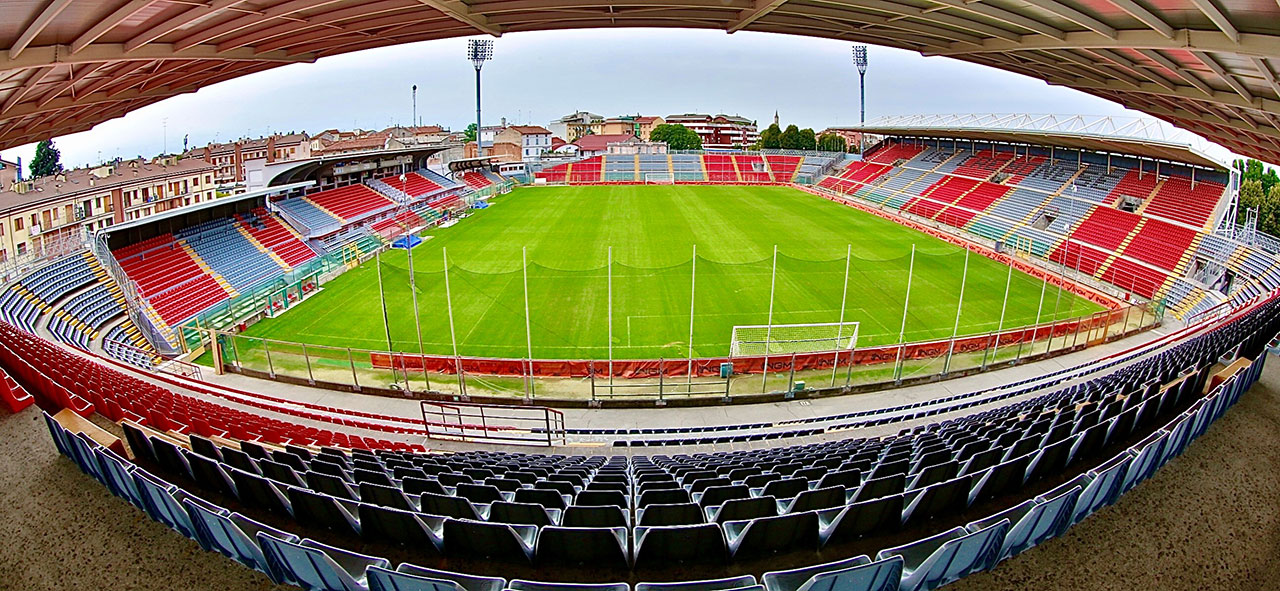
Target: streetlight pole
{"x": 414, "y": 123}
{"x": 479, "y": 51}
{"x": 860, "y": 60}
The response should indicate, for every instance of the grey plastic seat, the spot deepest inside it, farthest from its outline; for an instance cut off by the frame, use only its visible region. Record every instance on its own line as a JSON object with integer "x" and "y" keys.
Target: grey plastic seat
{"x": 767, "y": 535}
{"x": 405, "y": 528}
{"x": 1033, "y": 522}
{"x": 480, "y": 539}
{"x": 261, "y": 493}
{"x": 668, "y": 496}
{"x": 856, "y": 520}
{"x": 880, "y": 487}
{"x": 416, "y": 486}
{"x": 946, "y": 557}
{"x": 785, "y": 488}
{"x": 410, "y": 577}
{"x": 523, "y": 513}
{"x": 599, "y": 547}
{"x": 234, "y": 536}
{"x": 853, "y": 574}
{"x": 742, "y": 509}
{"x": 718, "y": 495}
{"x": 813, "y": 500}
{"x": 548, "y": 498}
{"x": 673, "y": 514}
{"x": 387, "y": 496}
{"x": 450, "y": 506}
{"x": 313, "y": 508}
{"x": 595, "y": 516}
{"x": 330, "y": 485}
{"x": 315, "y": 566}
{"x": 727, "y": 584}
{"x": 522, "y": 585}
{"x": 944, "y": 498}
{"x": 656, "y": 547}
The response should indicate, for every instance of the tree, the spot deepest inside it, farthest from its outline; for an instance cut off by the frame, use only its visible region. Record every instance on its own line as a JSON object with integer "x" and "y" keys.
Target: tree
{"x": 47, "y": 161}
{"x": 676, "y": 136}
{"x": 470, "y": 134}
{"x": 1269, "y": 211}
{"x": 1250, "y": 197}
{"x": 1255, "y": 170}
{"x": 771, "y": 137}
{"x": 808, "y": 140}
{"x": 830, "y": 142}
{"x": 791, "y": 139}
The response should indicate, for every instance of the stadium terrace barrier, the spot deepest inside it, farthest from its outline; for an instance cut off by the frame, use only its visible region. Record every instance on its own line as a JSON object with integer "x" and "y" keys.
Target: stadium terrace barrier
{"x": 494, "y": 423}
{"x": 417, "y": 376}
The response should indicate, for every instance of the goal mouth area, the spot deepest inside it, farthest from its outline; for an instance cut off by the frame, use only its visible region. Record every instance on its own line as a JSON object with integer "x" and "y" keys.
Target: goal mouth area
{"x": 785, "y": 339}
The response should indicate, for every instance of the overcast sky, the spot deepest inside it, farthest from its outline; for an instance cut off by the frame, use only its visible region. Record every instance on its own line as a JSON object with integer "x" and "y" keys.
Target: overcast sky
{"x": 537, "y": 77}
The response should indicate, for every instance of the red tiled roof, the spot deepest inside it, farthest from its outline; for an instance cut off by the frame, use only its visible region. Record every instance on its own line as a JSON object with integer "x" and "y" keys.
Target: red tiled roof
{"x": 597, "y": 143}
{"x": 529, "y": 130}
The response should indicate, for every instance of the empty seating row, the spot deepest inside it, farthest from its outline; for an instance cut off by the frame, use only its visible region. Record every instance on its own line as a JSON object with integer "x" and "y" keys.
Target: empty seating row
{"x": 169, "y": 278}
{"x": 35, "y": 294}
{"x": 304, "y": 213}
{"x": 275, "y": 235}
{"x": 353, "y": 202}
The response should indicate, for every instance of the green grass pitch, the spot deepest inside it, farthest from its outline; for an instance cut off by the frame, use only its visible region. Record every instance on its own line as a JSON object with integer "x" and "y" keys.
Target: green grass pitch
{"x": 652, "y": 231}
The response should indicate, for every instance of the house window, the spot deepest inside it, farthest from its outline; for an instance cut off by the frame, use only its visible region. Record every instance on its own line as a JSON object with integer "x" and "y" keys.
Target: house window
{"x": 22, "y": 248}
{"x": 17, "y": 224}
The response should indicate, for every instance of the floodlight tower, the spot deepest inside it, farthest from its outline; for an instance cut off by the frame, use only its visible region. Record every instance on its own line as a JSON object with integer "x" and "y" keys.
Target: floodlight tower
{"x": 414, "y": 122}
{"x": 860, "y": 60}
{"x": 479, "y": 51}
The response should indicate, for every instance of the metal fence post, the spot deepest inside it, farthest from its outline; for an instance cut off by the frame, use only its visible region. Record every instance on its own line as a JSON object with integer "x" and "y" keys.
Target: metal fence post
{"x": 352, "y": 361}
{"x": 271, "y": 368}
{"x": 311, "y": 378}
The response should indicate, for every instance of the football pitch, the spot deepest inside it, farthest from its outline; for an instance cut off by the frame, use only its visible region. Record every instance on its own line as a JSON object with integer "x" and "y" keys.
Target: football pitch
{"x": 565, "y": 234}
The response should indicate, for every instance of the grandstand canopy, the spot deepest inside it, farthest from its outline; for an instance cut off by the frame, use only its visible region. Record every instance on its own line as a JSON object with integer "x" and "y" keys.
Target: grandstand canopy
{"x": 209, "y": 204}
{"x": 1208, "y": 66}
{"x": 1122, "y": 135}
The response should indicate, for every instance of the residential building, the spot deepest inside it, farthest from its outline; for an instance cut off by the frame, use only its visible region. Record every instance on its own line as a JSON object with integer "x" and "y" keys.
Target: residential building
{"x": 50, "y": 208}
{"x": 532, "y": 139}
{"x": 637, "y": 125}
{"x": 573, "y": 126}
{"x": 719, "y": 131}
{"x": 620, "y": 143}
{"x": 230, "y": 158}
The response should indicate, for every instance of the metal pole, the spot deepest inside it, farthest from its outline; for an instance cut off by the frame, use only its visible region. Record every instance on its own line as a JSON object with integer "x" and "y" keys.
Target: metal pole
{"x": 479, "y": 147}
{"x": 1004, "y": 306}
{"x": 955, "y": 329}
{"x": 1035, "y": 330}
{"x": 528, "y": 332}
{"x": 693, "y": 289}
{"x": 902, "y": 332}
{"x": 352, "y": 362}
{"x": 417, "y": 320}
{"x": 453, "y": 335}
{"x": 386, "y": 324}
{"x": 311, "y": 377}
{"x": 844, "y": 298}
{"x": 768, "y": 331}
{"x": 1062, "y": 278}
{"x": 609, "y": 273}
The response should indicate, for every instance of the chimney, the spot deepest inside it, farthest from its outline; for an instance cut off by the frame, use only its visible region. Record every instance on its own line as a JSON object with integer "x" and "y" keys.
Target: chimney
{"x": 504, "y": 121}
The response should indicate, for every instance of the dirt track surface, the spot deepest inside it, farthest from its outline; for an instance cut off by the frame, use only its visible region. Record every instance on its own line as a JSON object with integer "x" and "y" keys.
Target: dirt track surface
{"x": 1210, "y": 519}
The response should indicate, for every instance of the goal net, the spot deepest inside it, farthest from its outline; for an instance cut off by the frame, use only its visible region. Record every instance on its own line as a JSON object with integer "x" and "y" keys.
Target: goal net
{"x": 659, "y": 178}
{"x": 781, "y": 339}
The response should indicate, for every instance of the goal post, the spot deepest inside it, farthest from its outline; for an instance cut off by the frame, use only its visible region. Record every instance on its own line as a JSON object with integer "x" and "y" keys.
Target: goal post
{"x": 784, "y": 339}
{"x": 659, "y": 178}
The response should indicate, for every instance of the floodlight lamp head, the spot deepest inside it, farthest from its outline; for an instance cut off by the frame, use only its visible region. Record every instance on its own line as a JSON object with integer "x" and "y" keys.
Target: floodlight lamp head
{"x": 479, "y": 51}
{"x": 860, "y": 58}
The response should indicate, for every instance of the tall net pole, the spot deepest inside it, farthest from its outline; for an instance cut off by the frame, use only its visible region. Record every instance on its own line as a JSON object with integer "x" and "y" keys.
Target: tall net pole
{"x": 609, "y": 273}
{"x": 844, "y": 299}
{"x": 417, "y": 320}
{"x": 386, "y": 325}
{"x": 768, "y": 335}
{"x": 528, "y": 332}
{"x": 453, "y": 334}
{"x": 693, "y": 289}
{"x": 1004, "y": 306}
{"x": 906, "y": 305}
{"x": 955, "y": 329}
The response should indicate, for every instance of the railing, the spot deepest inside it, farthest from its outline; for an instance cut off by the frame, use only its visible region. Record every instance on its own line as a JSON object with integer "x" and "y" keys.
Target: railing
{"x": 136, "y": 305}
{"x": 410, "y": 374}
{"x": 17, "y": 266}
{"x": 493, "y": 423}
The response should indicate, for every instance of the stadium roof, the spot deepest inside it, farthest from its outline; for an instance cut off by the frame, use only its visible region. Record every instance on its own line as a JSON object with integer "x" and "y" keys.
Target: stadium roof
{"x": 1123, "y": 135}
{"x": 1207, "y": 66}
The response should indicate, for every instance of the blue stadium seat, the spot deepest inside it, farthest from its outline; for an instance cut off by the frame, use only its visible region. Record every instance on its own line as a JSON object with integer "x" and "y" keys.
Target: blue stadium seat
{"x": 234, "y": 536}
{"x": 1033, "y": 522}
{"x": 522, "y": 585}
{"x": 317, "y": 567}
{"x": 946, "y": 557}
{"x": 410, "y": 577}
{"x": 162, "y": 501}
{"x": 739, "y": 583}
{"x": 854, "y": 574}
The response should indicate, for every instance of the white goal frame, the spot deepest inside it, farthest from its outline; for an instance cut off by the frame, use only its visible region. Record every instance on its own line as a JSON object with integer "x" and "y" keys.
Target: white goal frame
{"x": 659, "y": 178}
{"x": 785, "y": 339}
